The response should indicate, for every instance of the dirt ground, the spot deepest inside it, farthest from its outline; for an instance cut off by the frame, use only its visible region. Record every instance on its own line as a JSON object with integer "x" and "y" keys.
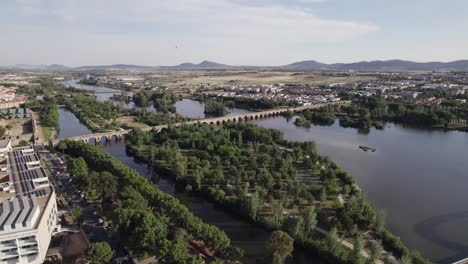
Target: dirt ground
{"x": 21, "y": 129}
{"x": 189, "y": 79}
{"x": 128, "y": 121}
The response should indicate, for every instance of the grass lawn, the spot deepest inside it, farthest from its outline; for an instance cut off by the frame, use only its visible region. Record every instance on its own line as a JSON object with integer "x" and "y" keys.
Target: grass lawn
{"x": 47, "y": 133}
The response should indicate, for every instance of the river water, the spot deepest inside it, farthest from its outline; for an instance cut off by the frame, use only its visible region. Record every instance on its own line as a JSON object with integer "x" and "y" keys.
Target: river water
{"x": 419, "y": 177}
{"x": 250, "y": 238}
{"x": 185, "y": 107}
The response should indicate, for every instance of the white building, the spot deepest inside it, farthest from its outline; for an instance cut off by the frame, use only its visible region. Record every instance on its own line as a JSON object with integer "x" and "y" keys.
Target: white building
{"x": 28, "y": 208}
{"x": 5, "y": 147}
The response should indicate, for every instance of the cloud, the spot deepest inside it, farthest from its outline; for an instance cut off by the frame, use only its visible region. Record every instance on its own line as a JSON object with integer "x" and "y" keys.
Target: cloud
{"x": 212, "y": 28}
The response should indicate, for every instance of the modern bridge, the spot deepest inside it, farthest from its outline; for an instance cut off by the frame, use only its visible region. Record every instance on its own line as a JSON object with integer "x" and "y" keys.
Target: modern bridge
{"x": 217, "y": 121}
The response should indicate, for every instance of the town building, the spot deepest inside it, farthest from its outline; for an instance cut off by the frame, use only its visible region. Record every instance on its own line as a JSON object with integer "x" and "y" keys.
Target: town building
{"x": 5, "y": 147}
{"x": 28, "y": 208}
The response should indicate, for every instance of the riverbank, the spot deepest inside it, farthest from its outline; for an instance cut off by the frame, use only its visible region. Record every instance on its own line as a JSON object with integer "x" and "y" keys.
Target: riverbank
{"x": 123, "y": 88}
{"x": 226, "y": 189}
{"x": 391, "y": 178}
{"x": 150, "y": 234}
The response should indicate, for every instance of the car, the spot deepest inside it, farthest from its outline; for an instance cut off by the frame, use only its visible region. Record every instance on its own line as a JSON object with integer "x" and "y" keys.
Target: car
{"x": 100, "y": 221}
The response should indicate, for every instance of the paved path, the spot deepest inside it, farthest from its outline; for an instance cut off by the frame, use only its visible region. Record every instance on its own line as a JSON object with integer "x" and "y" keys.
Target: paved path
{"x": 349, "y": 245}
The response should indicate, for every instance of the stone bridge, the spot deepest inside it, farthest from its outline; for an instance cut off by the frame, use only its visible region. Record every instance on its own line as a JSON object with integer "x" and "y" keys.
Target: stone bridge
{"x": 217, "y": 121}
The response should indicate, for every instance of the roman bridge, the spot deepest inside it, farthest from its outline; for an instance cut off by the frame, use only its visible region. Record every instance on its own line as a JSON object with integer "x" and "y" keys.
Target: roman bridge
{"x": 217, "y": 121}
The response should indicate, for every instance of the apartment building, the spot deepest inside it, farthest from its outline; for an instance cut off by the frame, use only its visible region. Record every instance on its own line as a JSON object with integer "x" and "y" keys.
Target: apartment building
{"x": 28, "y": 208}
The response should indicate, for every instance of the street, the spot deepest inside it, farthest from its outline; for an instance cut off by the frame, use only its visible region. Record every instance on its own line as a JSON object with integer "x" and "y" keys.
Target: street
{"x": 95, "y": 229}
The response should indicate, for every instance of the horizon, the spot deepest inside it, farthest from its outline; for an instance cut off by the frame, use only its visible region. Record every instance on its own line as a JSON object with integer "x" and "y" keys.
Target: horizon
{"x": 224, "y": 64}
{"x": 234, "y": 32}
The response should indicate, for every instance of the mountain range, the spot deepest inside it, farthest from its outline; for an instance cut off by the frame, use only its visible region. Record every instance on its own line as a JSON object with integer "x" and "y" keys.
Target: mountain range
{"x": 378, "y": 65}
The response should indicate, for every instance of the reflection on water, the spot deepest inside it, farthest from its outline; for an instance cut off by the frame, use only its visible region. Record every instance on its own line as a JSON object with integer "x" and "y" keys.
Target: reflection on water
{"x": 439, "y": 230}
{"x": 416, "y": 175}
{"x": 69, "y": 125}
{"x": 102, "y": 93}
{"x": 195, "y": 109}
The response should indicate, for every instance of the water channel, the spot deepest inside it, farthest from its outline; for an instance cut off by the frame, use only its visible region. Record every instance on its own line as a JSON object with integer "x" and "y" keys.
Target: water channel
{"x": 419, "y": 177}
{"x": 250, "y": 238}
{"x": 185, "y": 107}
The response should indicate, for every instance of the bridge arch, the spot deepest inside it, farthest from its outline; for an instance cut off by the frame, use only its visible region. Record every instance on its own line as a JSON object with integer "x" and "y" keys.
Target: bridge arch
{"x": 92, "y": 141}
{"x": 115, "y": 138}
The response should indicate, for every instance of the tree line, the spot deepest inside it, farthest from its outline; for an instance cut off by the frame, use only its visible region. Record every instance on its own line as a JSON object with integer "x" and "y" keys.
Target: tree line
{"x": 144, "y": 218}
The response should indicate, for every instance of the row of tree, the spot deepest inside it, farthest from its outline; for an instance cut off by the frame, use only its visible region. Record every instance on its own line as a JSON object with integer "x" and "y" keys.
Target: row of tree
{"x": 321, "y": 117}
{"x": 215, "y": 108}
{"x": 406, "y": 112}
{"x": 94, "y": 114}
{"x": 145, "y": 218}
{"x": 47, "y": 108}
{"x": 162, "y": 101}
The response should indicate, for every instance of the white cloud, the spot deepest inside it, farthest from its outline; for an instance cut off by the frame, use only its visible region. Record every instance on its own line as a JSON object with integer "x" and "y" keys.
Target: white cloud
{"x": 206, "y": 29}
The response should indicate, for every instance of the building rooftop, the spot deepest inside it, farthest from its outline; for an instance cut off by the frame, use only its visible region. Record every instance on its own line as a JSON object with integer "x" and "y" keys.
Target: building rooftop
{"x": 4, "y": 143}
{"x": 24, "y": 190}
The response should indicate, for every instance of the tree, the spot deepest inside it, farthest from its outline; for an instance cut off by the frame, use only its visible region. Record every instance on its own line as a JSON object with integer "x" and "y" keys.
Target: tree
{"x": 323, "y": 194}
{"x": 310, "y": 220}
{"x": 253, "y": 202}
{"x": 77, "y": 166}
{"x": 406, "y": 259}
{"x": 380, "y": 221}
{"x": 331, "y": 240}
{"x": 142, "y": 228}
{"x": 278, "y": 215}
{"x": 51, "y": 146}
{"x": 62, "y": 146}
{"x": 215, "y": 108}
{"x": 107, "y": 186}
{"x": 280, "y": 245}
{"x": 179, "y": 165}
{"x": 99, "y": 252}
{"x": 375, "y": 252}
{"x": 177, "y": 253}
{"x": 295, "y": 226}
{"x": 77, "y": 213}
{"x": 356, "y": 255}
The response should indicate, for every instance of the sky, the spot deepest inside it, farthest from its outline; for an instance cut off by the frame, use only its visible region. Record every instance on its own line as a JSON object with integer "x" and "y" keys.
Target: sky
{"x": 234, "y": 32}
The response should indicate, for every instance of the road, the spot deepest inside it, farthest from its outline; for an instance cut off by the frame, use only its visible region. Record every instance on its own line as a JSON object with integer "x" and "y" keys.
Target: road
{"x": 94, "y": 230}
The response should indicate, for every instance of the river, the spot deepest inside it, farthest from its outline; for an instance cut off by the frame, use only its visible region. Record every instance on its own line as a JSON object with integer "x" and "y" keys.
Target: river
{"x": 185, "y": 107}
{"x": 250, "y": 238}
{"x": 419, "y": 177}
